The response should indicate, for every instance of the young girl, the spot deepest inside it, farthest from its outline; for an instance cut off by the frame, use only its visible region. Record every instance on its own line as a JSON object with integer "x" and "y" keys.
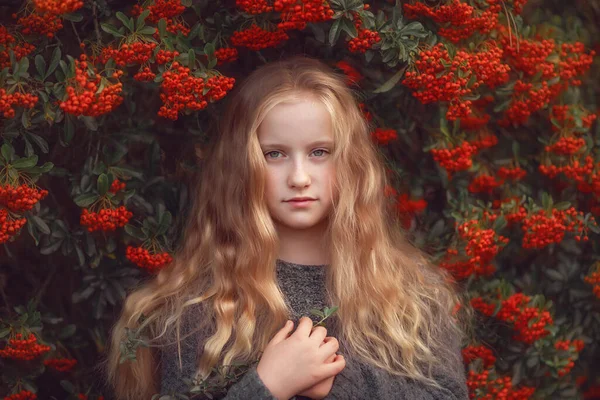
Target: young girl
{"x": 290, "y": 215}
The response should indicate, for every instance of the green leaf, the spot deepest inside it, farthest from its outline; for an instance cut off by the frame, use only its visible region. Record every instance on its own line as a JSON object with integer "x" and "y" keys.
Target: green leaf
{"x": 25, "y": 162}
{"x": 147, "y": 30}
{"x": 102, "y": 184}
{"x": 164, "y": 224}
{"x": 141, "y": 19}
{"x": 128, "y": 22}
{"x": 40, "y": 66}
{"x": 334, "y": 32}
{"x": 67, "y": 331}
{"x": 7, "y": 152}
{"x": 40, "y": 224}
{"x": 135, "y": 232}
{"x": 75, "y": 17}
{"x": 108, "y": 28}
{"x": 186, "y": 3}
{"x": 56, "y": 54}
{"x": 554, "y": 274}
{"x": 90, "y": 122}
{"x": 390, "y": 82}
{"x": 162, "y": 27}
{"x": 348, "y": 27}
{"x": 86, "y": 199}
{"x": 191, "y": 59}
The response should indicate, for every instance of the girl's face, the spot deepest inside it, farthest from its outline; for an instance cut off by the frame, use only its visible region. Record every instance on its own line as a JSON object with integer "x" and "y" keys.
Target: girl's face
{"x": 297, "y": 142}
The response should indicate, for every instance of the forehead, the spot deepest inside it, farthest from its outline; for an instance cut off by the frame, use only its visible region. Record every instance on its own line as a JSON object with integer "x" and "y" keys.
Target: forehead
{"x": 296, "y": 122}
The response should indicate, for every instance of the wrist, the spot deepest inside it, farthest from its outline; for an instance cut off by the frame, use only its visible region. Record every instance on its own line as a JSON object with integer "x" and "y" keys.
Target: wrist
{"x": 272, "y": 385}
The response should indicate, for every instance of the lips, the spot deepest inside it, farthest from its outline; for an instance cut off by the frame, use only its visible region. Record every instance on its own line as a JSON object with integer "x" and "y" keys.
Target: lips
{"x": 300, "y": 199}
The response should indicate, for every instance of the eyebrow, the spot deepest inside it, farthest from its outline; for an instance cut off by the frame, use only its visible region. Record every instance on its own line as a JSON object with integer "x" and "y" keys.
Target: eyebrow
{"x": 325, "y": 142}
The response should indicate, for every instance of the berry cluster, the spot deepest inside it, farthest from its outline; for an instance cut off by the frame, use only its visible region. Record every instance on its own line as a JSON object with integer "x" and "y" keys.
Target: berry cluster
{"x": 42, "y": 24}
{"x": 218, "y": 86}
{"x": 407, "y": 208}
{"x": 499, "y": 388}
{"x": 351, "y": 73}
{"x": 7, "y": 43}
{"x": 565, "y": 117}
{"x": 593, "y": 278}
{"x": 383, "y": 136}
{"x": 128, "y": 54}
{"x": 22, "y": 395}
{"x": 474, "y": 122}
{"x": 455, "y": 159}
{"x": 8, "y": 102}
{"x": 23, "y": 349}
{"x": 61, "y": 364}
{"x": 21, "y": 198}
{"x": 527, "y": 98}
{"x": 295, "y": 14}
{"x": 116, "y": 186}
{"x": 9, "y": 227}
{"x": 484, "y": 139}
{"x": 144, "y": 75}
{"x": 577, "y": 345}
{"x": 365, "y": 40}
{"x": 107, "y": 219}
{"x": 152, "y": 262}
{"x": 515, "y": 310}
{"x": 530, "y": 55}
{"x": 181, "y": 90}
{"x": 511, "y": 209}
{"x": 159, "y": 9}
{"x": 460, "y": 20}
{"x": 256, "y": 38}
{"x": 577, "y": 170}
{"x": 436, "y": 83}
{"x": 366, "y": 113}
{"x": 566, "y": 146}
{"x": 57, "y": 7}
{"x": 82, "y": 97}
{"x": 471, "y": 353}
{"x": 484, "y": 183}
{"x": 254, "y": 6}
{"x": 513, "y": 173}
{"x": 165, "y": 56}
{"x": 482, "y": 306}
{"x": 543, "y": 228}
{"x": 574, "y": 62}
{"x": 226, "y": 54}
{"x": 482, "y": 244}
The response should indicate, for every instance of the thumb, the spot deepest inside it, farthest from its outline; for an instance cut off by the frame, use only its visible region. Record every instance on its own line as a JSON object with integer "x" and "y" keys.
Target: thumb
{"x": 282, "y": 334}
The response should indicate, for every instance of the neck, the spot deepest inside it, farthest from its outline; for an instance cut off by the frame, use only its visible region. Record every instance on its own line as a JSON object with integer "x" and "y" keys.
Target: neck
{"x": 303, "y": 246}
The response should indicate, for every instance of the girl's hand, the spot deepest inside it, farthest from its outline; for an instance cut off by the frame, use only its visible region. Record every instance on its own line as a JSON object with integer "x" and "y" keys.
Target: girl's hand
{"x": 293, "y": 364}
{"x": 321, "y": 389}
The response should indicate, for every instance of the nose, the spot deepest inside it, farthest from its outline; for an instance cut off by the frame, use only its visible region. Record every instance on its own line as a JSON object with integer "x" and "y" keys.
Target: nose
{"x": 298, "y": 177}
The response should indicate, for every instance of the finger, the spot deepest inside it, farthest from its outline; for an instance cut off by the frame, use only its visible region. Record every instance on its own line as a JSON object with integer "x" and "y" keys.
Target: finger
{"x": 334, "y": 367}
{"x": 318, "y": 334}
{"x": 282, "y": 334}
{"x": 331, "y": 346}
{"x": 305, "y": 325}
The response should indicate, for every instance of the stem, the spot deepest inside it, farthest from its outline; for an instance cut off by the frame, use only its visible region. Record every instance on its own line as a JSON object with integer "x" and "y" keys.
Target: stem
{"x": 76, "y": 34}
{"x": 96, "y": 26}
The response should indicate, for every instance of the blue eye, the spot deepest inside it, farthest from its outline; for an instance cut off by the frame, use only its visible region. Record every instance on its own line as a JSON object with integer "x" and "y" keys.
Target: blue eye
{"x": 323, "y": 150}
{"x": 274, "y": 151}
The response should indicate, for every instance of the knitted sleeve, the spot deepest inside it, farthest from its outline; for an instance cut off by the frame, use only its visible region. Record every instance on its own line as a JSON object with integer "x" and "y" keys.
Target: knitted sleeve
{"x": 250, "y": 386}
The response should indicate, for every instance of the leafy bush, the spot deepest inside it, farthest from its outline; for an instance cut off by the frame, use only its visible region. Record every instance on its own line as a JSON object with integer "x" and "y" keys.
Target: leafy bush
{"x": 483, "y": 109}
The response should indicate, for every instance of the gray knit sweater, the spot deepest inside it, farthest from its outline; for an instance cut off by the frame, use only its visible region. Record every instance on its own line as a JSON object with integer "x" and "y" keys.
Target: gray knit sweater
{"x": 304, "y": 288}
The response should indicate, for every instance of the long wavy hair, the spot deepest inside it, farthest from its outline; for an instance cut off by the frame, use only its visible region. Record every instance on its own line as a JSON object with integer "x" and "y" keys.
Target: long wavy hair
{"x": 394, "y": 306}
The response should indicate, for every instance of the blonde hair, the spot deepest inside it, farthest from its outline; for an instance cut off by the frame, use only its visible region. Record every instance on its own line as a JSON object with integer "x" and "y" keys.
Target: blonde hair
{"x": 393, "y": 305}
